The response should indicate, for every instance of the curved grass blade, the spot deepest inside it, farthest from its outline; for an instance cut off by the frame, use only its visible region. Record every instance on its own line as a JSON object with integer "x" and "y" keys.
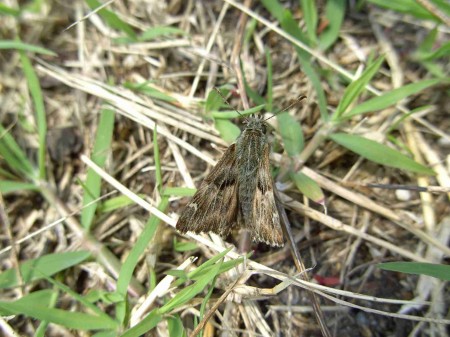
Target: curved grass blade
{"x": 14, "y": 156}
{"x": 19, "y": 45}
{"x": 36, "y": 269}
{"x": 439, "y": 271}
{"x": 354, "y": 89}
{"x": 100, "y": 152}
{"x": 36, "y": 93}
{"x": 379, "y": 153}
{"x": 390, "y": 98}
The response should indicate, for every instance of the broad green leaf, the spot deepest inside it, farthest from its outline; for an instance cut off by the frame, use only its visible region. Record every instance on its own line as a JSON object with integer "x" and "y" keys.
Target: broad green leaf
{"x": 355, "y": 89}
{"x": 308, "y": 187}
{"x": 102, "y": 148}
{"x": 390, "y": 98}
{"x": 292, "y": 134}
{"x": 379, "y": 153}
{"x": 439, "y": 271}
{"x": 228, "y": 131}
{"x": 19, "y": 45}
{"x": 215, "y": 101}
{"x": 41, "y": 122}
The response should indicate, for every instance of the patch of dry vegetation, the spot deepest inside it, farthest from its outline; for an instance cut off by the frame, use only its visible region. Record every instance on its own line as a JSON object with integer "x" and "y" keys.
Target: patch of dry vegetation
{"x": 129, "y": 93}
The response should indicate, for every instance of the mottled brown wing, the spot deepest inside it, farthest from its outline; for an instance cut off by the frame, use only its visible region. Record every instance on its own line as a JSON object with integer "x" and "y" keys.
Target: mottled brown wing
{"x": 214, "y": 207}
{"x": 265, "y": 226}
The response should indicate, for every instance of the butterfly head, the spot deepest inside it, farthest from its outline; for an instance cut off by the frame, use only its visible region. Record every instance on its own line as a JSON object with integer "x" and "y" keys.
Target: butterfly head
{"x": 256, "y": 123}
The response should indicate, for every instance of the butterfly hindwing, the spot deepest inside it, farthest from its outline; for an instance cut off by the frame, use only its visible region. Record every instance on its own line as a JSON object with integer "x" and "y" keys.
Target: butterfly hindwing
{"x": 265, "y": 226}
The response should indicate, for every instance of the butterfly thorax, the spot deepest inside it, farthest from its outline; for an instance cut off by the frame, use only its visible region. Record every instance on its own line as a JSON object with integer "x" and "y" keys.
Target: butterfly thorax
{"x": 249, "y": 154}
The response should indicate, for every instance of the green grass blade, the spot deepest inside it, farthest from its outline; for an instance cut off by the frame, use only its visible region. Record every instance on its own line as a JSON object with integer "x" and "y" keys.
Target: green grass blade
{"x": 114, "y": 203}
{"x": 175, "y": 326}
{"x": 41, "y": 120}
{"x": 355, "y": 89}
{"x": 379, "y": 153}
{"x": 439, "y": 271}
{"x": 390, "y": 98}
{"x": 291, "y": 27}
{"x": 41, "y": 331}
{"x": 149, "y": 322}
{"x": 147, "y": 89}
{"x": 311, "y": 18}
{"x": 112, "y": 19}
{"x": 158, "y": 31}
{"x": 19, "y": 45}
{"x": 179, "y": 191}
{"x": 334, "y": 13}
{"x": 234, "y": 114}
{"x": 7, "y": 10}
{"x": 14, "y": 156}
{"x": 47, "y": 265}
{"x": 126, "y": 272}
{"x": 158, "y": 172}
{"x": 8, "y": 186}
{"x": 101, "y": 150}
{"x": 188, "y": 293}
{"x": 269, "y": 94}
{"x": 68, "y": 319}
{"x": 410, "y": 7}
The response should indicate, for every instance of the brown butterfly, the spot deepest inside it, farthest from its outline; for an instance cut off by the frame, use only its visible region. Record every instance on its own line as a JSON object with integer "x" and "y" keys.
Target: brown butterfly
{"x": 238, "y": 192}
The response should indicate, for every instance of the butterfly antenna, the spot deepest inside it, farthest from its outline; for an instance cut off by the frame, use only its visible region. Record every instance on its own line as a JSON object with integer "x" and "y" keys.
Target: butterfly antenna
{"x": 226, "y": 101}
{"x": 298, "y": 100}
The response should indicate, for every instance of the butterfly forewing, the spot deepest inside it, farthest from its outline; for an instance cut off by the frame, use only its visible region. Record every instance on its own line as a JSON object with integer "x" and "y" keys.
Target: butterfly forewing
{"x": 215, "y": 205}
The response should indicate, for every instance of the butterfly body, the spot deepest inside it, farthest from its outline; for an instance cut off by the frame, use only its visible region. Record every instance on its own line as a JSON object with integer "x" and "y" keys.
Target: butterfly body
{"x": 238, "y": 192}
